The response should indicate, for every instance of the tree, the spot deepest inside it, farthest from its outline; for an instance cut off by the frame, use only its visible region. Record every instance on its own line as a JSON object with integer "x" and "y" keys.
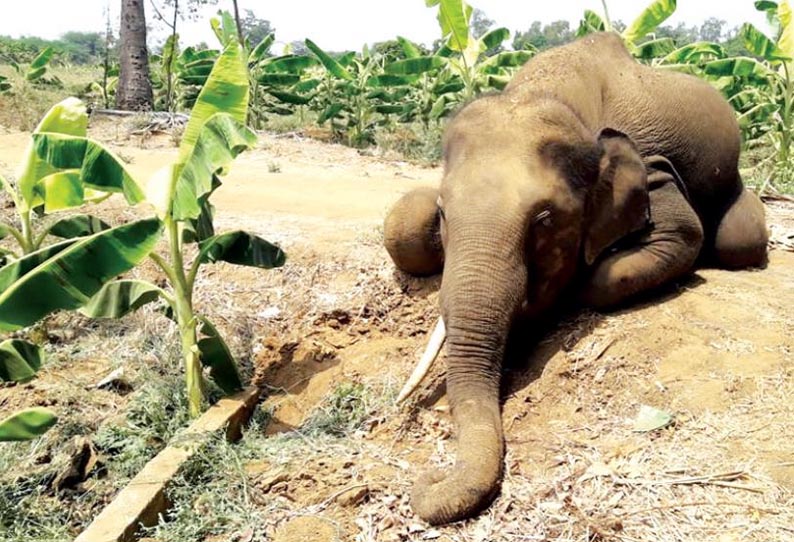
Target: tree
{"x": 543, "y": 37}
{"x": 255, "y": 29}
{"x": 186, "y": 9}
{"x": 83, "y": 47}
{"x": 480, "y": 23}
{"x": 134, "y": 91}
{"x": 711, "y": 29}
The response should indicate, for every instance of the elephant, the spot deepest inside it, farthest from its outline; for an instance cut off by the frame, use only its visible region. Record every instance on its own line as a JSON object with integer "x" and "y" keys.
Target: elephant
{"x": 590, "y": 178}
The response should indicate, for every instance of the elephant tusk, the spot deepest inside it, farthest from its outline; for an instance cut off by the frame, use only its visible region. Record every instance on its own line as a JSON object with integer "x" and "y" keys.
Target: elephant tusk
{"x": 423, "y": 367}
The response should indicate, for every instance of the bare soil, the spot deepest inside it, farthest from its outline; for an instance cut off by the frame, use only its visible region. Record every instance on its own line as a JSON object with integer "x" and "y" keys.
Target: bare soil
{"x": 716, "y": 352}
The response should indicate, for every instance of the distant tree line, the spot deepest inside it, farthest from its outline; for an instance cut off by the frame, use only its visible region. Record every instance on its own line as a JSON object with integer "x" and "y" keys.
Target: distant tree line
{"x": 540, "y": 36}
{"x": 72, "y": 47}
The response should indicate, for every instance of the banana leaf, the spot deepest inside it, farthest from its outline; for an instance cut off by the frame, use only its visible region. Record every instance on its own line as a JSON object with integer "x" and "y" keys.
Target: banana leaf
{"x": 387, "y": 80}
{"x": 651, "y": 17}
{"x": 508, "y": 59}
{"x": 494, "y": 38}
{"x": 279, "y": 79}
{"x": 77, "y": 226}
{"x": 293, "y": 64}
{"x": 290, "y": 98}
{"x": 73, "y": 275}
{"x": 99, "y": 168}
{"x": 121, "y": 297}
{"x": 655, "y": 49}
{"x": 410, "y": 49}
{"x": 389, "y": 109}
{"x": 592, "y": 22}
{"x": 226, "y": 91}
{"x": 262, "y": 48}
{"x": 42, "y": 59}
{"x": 225, "y": 28}
{"x": 241, "y": 248}
{"x": 215, "y": 354}
{"x": 306, "y": 86}
{"x": 695, "y": 52}
{"x": 758, "y": 44}
{"x": 221, "y": 139}
{"x": 740, "y": 66}
{"x": 330, "y": 112}
{"x": 415, "y": 66}
{"x": 35, "y": 74}
{"x": 19, "y": 360}
{"x": 27, "y": 424}
{"x": 334, "y": 67}
{"x": 453, "y": 17}
{"x": 786, "y": 40}
{"x": 62, "y": 190}
{"x": 67, "y": 117}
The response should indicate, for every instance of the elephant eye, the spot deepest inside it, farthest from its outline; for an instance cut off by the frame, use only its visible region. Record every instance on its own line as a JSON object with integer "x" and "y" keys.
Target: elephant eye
{"x": 543, "y": 218}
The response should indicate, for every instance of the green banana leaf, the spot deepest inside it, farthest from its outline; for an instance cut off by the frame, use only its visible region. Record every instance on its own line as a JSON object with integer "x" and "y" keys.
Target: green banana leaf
{"x": 740, "y": 66}
{"x": 215, "y": 354}
{"x": 330, "y": 112}
{"x": 453, "y": 17}
{"x": 307, "y": 86}
{"x": 388, "y": 80}
{"x": 591, "y": 22}
{"x": 100, "y": 169}
{"x": 279, "y": 79}
{"x": 221, "y": 139}
{"x": 262, "y": 49}
{"x": 333, "y": 66}
{"x": 655, "y": 49}
{"x": 241, "y": 248}
{"x": 651, "y": 17}
{"x": 695, "y": 52}
{"x": 42, "y": 59}
{"x": 290, "y": 98}
{"x": 74, "y": 274}
{"x": 508, "y": 59}
{"x": 786, "y": 41}
{"x": 203, "y": 227}
{"x": 225, "y": 28}
{"x": 19, "y": 360}
{"x": 226, "y": 91}
{"x": 416, "y": 65}
{"x": 121, "y": 297}
{"x": 27, "y": 424}
{"x": 62, "y": 190}
{"x": 36, "y": 73}
{"x": 410, "y": 49}
{"x": 293, "y": 64}
{"x": 15, "y": 270}
{"x": 67, "y": 117}
{"x": 494, "y": 39}
{"x": 760, "y": 45}
{"x": 78, "y": 226}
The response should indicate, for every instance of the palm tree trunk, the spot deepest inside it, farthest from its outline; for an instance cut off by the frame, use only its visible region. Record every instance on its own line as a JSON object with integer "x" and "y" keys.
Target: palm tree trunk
{"x": 134, "y": 92}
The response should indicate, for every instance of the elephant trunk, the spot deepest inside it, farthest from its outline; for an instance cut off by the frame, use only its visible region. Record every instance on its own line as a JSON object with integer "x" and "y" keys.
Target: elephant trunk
{"x": 481, "y": 291}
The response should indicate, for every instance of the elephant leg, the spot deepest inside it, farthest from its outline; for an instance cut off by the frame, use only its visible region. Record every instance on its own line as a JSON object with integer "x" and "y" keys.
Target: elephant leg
{"x": 668, "y": 251}
{"x": 411, "y": 233}
{"x": 742, "y": 235}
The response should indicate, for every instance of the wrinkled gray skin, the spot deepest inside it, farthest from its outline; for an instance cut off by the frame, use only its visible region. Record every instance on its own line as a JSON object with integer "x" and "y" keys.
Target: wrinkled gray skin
{"x": 588, "y": 170}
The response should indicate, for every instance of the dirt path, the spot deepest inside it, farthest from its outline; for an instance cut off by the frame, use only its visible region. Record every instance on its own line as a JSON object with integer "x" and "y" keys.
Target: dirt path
{"x": 717, "y": 353}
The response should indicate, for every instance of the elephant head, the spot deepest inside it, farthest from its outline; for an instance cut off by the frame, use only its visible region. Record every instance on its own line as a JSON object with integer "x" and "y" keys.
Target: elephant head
{"x": 528, "y": 196}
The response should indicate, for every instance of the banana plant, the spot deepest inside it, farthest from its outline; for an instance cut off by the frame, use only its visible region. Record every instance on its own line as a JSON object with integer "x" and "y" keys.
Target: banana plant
{"x": 36, "y": 72}
{"x": 19, "y": 363}
{"x": 93, "y": 173}
{"x": 645, "y": 24}
{"x": 342, "y": 96}
{"x": 215, "y": 134}
{"x": 466, "y": 57}
{"x": 762, "y": 88}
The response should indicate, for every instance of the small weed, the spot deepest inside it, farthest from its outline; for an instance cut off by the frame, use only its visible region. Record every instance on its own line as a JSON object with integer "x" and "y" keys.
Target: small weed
{"x": 345, "y": 411}
{"x": 274, "y": 167}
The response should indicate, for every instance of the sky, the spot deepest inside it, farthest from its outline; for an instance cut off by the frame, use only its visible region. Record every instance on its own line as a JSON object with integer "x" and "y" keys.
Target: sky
{"x": 349, "y": 24}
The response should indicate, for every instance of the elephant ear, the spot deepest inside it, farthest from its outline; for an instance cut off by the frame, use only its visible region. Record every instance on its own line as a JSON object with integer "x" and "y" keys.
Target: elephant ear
{"x": 618, "y": 203}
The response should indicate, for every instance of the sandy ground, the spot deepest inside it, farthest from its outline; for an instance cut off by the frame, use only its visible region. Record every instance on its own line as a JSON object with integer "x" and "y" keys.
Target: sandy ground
{"x": 716, "y": 352}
